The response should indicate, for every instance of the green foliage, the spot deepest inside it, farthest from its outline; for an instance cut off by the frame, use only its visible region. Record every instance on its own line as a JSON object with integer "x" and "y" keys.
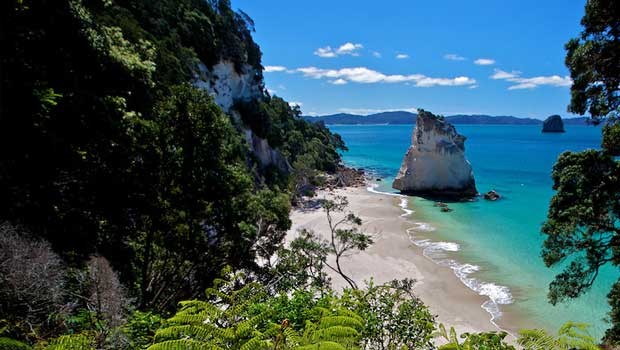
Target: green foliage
{"x": 12, "y": 344}
{"x": 141, "y": 327}
{"x": 592, "y": 60}
{"x": 571, "y": 336}
{"x": 582, "y": 223}
{"x": 80, "y": 341}
{"x": 302, "y": 263}
{"x": 394, "y": 318}
{"x": 242, "y": 318}
{"x": 225, "y": 321}
{"x": 275, "y": 120}
{"x": 474, "y": 341}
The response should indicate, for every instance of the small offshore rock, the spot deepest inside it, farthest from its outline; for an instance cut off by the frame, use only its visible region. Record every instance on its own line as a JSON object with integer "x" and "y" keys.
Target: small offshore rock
{"x": 440, "y": 204}
{"x": 553, "y": 124}
{"x": 446, "y": 209}
{"x": 492, "y": 195}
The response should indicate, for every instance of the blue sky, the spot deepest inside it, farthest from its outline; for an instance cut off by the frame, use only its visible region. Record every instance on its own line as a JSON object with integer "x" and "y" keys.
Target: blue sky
{"x": 494, "y": 57}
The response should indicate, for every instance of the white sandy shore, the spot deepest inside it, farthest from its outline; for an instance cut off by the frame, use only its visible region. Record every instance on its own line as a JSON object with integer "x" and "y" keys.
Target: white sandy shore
{"x": 393, "y": 256}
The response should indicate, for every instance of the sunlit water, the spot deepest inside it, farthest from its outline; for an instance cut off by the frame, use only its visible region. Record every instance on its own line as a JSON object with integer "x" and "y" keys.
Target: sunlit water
{"x": 494, "y": 247}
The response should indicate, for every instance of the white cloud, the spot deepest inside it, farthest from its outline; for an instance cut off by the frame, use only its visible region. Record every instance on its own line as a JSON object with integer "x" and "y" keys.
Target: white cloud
{"x": 484, "y": 61}
{"x": 376, "y": 54}
{"x": 295, "y": 103}
{"x": 271, "y": 92}
{"x": 347, "y": 48}
{"x": 402, "y": 56}
{"x": 269, "y": 69}
{"x": 363, "y": 75}
{"x": 338, "y": 81}
{"x": 325, "y": 52}
{"x": 473, "y": 86}
{"x": 521, "y": 83}
{"x": 500, "y": 74}
{"x": 454, "y": 57}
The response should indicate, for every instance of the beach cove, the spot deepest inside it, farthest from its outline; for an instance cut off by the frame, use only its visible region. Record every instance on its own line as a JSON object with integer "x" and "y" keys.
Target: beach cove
{"x": 492, "y": 247}
{"x": 395, "y": 255}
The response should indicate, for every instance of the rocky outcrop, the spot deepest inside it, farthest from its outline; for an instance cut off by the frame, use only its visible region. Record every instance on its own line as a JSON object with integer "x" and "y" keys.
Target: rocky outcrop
{"x": 553, "y": 124}
{"x": 227, "y": 85}
{"x": 435, "y": 163}
{"x": 492, "y": 195}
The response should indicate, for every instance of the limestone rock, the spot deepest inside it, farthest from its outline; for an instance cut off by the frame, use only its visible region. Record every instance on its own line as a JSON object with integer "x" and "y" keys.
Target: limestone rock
{"x": 228, "y": 85}
{"x": 435, "y": 162}
{"x": 553, "y": 124}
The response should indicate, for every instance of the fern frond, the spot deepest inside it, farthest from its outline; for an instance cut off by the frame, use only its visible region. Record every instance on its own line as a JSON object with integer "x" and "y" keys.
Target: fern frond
{"x": 204, "y": 332}
{"x": 345, "y": 321}
{"x": 325, "y": 345}
{"x": 184, "y": 344}
{"x": 81, "y": 341}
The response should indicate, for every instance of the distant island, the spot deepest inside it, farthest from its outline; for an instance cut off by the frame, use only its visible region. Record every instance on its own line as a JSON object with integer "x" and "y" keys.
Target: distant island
{"x": 403, "y": 117}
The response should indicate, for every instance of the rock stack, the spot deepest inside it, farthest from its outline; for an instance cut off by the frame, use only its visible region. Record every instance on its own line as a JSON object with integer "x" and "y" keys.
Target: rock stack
{"x": 435, "y": 164}
{"x": 553, "y": 124}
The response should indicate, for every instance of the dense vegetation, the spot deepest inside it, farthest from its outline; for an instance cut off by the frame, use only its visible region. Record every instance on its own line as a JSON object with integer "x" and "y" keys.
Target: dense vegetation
{"x": 108, "y": 151}
{"x": 583, "y": 224}
{"x": 135, "y": 215}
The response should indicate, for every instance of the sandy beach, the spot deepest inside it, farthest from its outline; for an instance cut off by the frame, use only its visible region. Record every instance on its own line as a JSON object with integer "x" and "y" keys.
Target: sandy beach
{"x": 394, "y": 256}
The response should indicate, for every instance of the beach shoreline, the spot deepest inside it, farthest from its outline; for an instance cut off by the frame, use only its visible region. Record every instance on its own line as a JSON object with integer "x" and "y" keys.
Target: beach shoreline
{"x": 396, "y": 255}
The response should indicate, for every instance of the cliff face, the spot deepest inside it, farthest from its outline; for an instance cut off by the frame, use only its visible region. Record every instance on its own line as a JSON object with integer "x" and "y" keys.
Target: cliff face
{"x": 553, "y": 124}
{"x": 435, "y": 162}
{"x": 228, "y": 85}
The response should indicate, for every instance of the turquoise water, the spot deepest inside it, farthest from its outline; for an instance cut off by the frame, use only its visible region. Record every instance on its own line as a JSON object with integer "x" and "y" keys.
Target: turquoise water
{"x": 499, "y": 242}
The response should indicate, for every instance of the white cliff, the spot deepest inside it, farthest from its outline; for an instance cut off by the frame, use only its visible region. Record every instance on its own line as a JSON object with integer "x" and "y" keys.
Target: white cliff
{"x": 227, "y": 85}
{"x": 435, "y": 162}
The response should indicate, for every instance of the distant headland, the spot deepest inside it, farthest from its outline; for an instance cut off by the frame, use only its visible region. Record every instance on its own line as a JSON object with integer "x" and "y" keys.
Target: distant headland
{"x": 404, "y": 117}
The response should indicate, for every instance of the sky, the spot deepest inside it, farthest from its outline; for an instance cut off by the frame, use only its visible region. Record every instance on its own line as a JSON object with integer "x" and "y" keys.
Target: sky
{"x": 495, "y": 57}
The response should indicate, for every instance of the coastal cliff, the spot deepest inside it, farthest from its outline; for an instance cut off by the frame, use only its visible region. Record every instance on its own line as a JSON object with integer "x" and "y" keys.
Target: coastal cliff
{"x": 228, "y": 85}
{"x": 435, "y": 163}
{"x": 553, "y": 124}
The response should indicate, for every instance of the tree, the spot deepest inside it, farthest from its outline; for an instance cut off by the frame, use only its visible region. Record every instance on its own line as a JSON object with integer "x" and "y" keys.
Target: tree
{"x": 238, "y": 315}
{"x": 394, "y": 318}
{"x": 571, "y": 336}
{"x": 32, "y": 282}
{"x": 583, "y": 222}
{"x": 303, "y": 262}
{"x": 473, "y": 341}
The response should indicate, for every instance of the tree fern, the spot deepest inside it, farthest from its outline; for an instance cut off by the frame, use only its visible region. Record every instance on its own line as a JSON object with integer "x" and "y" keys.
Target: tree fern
{"x": 80, "y": 341}
{"x": 223, "y": 322}
{"x": 571, "y": 336}
{"x": 12, "y": 344}
{"x": 473, "y": 341}
{"x": 237, "y": 318}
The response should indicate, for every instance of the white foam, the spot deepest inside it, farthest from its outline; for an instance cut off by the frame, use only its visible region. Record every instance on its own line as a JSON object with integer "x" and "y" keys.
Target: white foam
{"x": 436, "y": 251}
{"x": 403, "y": 205}
{"x": 497, "y": 294}
{"x": 404, "y": 202}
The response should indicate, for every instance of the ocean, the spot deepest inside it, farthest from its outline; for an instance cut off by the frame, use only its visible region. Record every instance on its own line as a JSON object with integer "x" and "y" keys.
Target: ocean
{"x": 493, "y": 247}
